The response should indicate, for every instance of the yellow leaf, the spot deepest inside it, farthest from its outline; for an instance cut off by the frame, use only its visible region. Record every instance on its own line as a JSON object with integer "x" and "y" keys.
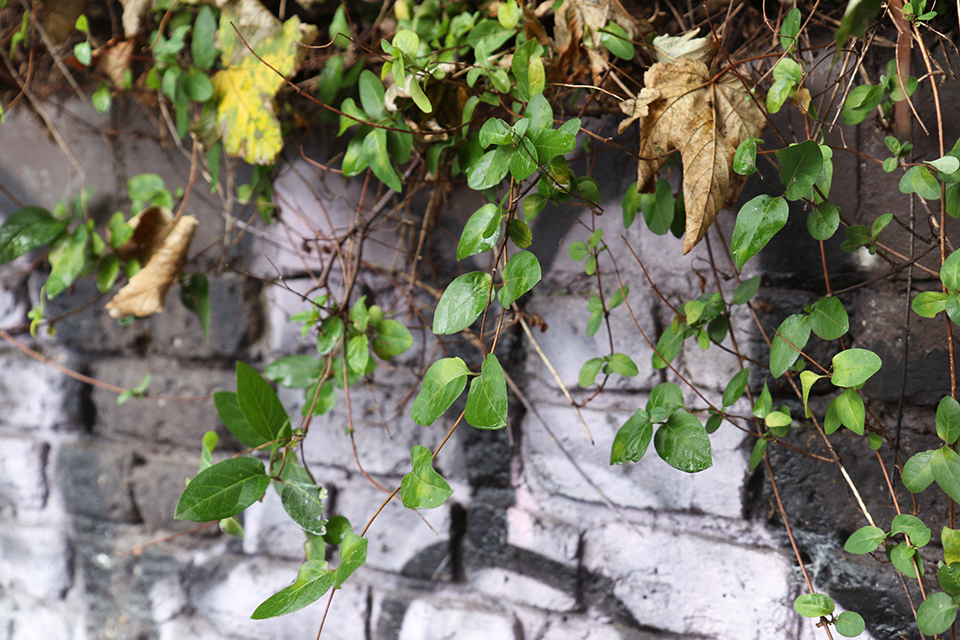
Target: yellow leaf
{"x": 682, "y": 107}
{"x": 145, "y": 293}
{"x": 246, "y": 87}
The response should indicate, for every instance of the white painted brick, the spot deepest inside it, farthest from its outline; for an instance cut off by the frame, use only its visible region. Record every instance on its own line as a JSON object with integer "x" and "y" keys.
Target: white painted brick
{"x": 442, "y": 619}
{"x": 35, "y": 561}
{"x": 500, "y": 583}
{"x": 35, "y": 395}
{"x": 533, "y": 529}
{"x": 23, "y": 480}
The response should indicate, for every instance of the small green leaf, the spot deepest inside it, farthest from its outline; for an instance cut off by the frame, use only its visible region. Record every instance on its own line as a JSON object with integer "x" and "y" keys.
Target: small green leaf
{"x": 203, "y": 45}
{"x": 745, "y": 159}
{"x": 736, "y": 387}
{"x": 945, "y": 465}
{"x": 861, "y": 101}
{"x": 828, "y": 319}
{"x": 758, "y": 221}
{"x": 668, "y": 346}
{"x": 490, "y": 169}
{"x": 487, "y": 399}
{"x": 314, "y": 579}
{"x": 495, "y": 131}
{"x": 578, "y": 250}
{"x": 858, "y": 236}
{"x": 107, "y": 272}
{"x": 195, "y": 296}
{"x": 527, "y": 68}
{"x": 936, "y": 614}
{"x": 594, "y": 322}
{"x": 533, "y": 204}
{"x": 520, "y": 233}
{"x": 756, "y": 456}
{"x": 776, "y": 419}
{"x": 632, "y": 439}
{"x": 615, "y": 39}
{"x": 378, "y": 158}
{"x": 358, "y": 353}
{"x": 807, "y": 380}
{"x": 792, "y": 336}
{"x": 423, "y": 488}
{"x": 849, "y": 624}
{"x": 853, "y": 367}
{"x": 330, "y": 333}
{"x": 928, "y": 304}
{"x": 787, "y": 77}
{"x": 101, "y": 98}
{"x": 814, "y": 605}
{"x": 589, "y": 371}
{"x": 520, "y": 274}
{"x": 911, "y": 526}
{"x": 229, "y": 411}
{"x": 763, "y": 404}
{"x": 462, "y": 303}
{"x": 223, "y": 490}
{"x": 443, "y": 383}
{"x": 948, "y": 420}
{"x": 683, "y": 443}
{"x": 946, "y": 164}
{"x": 850, "y": 410}
{"x": 83, "y": 53}
{"x": 67, "y": 260}
{"x": 920, "y": 181}
{"x": 949, "y": 578}
{"x": 800, "y": 166}
{"x": 392, "y": 338}
{"x": 790, "y": 29}
{"x": 950, "y": 271}
{"x": 865, "y": 540}
{"x": 259, "y": 404}
{"x": 746, "y": 290}
{"x": 658, "y": 211}
{"x": 918, "y": 472}
{"x": 372, "y": 94}
{"x": 623, "y": 365}
{"x": 294, "y": 372}
{"x": 304, "y": 504}
{"x": 667, "y": 397}
{"x": 630, "y": 203}
{"x": 197, "y": 86}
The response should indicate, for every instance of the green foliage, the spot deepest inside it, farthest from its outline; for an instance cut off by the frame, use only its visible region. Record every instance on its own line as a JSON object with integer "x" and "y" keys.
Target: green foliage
{"x": 423, "y": 488}
{"x": 223, "y": 490}
{"x": 443, "y": 383}
{"x": 758, "y": 221}
{"x": 813, "y": 605}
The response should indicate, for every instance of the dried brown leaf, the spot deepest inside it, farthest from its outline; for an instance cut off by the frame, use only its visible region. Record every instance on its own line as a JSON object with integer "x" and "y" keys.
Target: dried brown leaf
{"x": 705, "y": 119}
{"x": 145, "y": 293}
{"x": 148, "y": 228}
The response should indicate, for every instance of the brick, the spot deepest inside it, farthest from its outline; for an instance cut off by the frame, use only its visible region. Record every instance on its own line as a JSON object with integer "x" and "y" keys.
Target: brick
{"x": 94, "y": 480}
{"x": 37, "y": 396}
{"x": 35, "y": 560}
{"x": 156, "y": 485}
{"x": 529, "y": 528}
{"x": 439, "y": 617}
{"x": 23, "y": 476}
{"x": 515, "y": 587}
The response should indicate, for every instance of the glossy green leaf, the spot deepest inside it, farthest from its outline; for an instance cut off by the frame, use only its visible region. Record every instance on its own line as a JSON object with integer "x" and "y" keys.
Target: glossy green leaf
{"x": 736, "y": 387}
{"x": 223, "y": 490}
{"x": 331, "y": 330}
{"x": 527, "y": 68}
{"x": 259, "y": 404}
{"x": 461, "y": 303}
{"x": 858, "y": 236}
{"x": 423, "y": 488}
{"x": 936, "y": 614}
{"x": 800, "y": 166}
{"x": 920, "y": 181}
{"x": 378, "y": 158}
{"x": 792, "y": 336}
{"x": 814, "y": 605}
{"x": 787, "y": 77}
{"x": 589, "y": 371}
{"x": 918, "y": 471}
{"x": 615, "y": 39}
{"x": 849, "y": 624}
{"x": 520, "y": 274}
{"x": 314, "y": 579}
{"x": 746, "y": 290}
{"x": 67, "y": 260}
{"x": 666, "y": 396}
{"x": 358, "y": 353}
{"x": 776, "y": 419}
{"x": 490, "y": 169}
{"x": 495, "y": 131}
{"x": 533, "y": 204}
{"x": 353, "y": 555}
{"x": 443, "y": 383}
{"x": 949, "y": 578}
{"x": 945, "y": 465}
{"x": 807, "y": 380}
{"x": 668, "y": 346}
{"x": 658, "y": 211}
{"x": 487, "y": 399}
{"x": 850, "y": 410}
{"x": 632, "y": 439}
{"x": 757, "y": 222}
{"x": 950, "y": 271}
{"x": 903, "y": 556}
{"x": 392, "y": 338}
{"x": 745, "y": 159}
{"x": 764, "y": 404}
{"x": 229, "y": 411}
{"x": 354, "y": 160}
{"x": 823, "y": 220}
{"x": 948, "y": 420}
{"x": 107, "y": 272}
{"x": 295, "y": 372}
{"x": 683, "y": 443}
{"x": 303, "y": 502}
{"x": 928, "y": 304}
{"x": 556, "y": 142}
{"x": 865, "y": 540}
{"x": 756, "y": 456}
{"x": 790, "y": 29}
{"x": 372, "y": 94}
{"x": 913, "y": 527}
{"x": 853, "y": 367}
{"x": 828, "y": 319}
{"x": 203, "y": 44}
{"x": 622, "y": 364}
{"x": 630, "y": 204}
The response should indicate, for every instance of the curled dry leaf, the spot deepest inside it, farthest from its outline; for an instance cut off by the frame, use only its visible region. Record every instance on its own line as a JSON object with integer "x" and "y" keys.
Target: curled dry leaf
{"x": 149, "y": 227}
{"x": 145, "y": 293}
{"x": 670, "y": 48}
{"x": 683, "y": 108}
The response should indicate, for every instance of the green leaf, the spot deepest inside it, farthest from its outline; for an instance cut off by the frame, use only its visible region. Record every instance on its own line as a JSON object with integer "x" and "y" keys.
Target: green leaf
{"x": 928, "y": 304}
{"x": 945, "y": 465}
{"x": 358, "y": 353}
{"x": 67, "y": 259}
{"x": 736, "y": 387}
{"x": 578, "y": 250}
{"x": 423, "y": 488}
{"x": 487, "y": 399}
{"x": 757, "y": 222}
{"x": 229, "y": 411}
{"x": 553, "y": 143}
{"x": 828, "y": 319}
{"x": 630, "y": 203}
{"x": 632, "y": 439}
{"x": 378, "y": 158}
{"x": 858, "y": 236}
{"x": 787, "y": 77}
{"x": 594, "y": 322}
{"x": 540, "y": 114}
{"x": 860, "y": 102}
{"x": 107, "y": 272}
{"x": 495, "y": 131}
{"x": 950, "y": 271}
{"x": 776, "y": 419}
{"x": 683, "y": 443}
{"x": 304, "y": 504}
{"x": 196, "y": 85}
{"x": 462, "y": 303}
{"x": 800, "y": 166}
{"x": 849, "y": 409}
{"x": 807, "y": 380}
{"x": 950, "y": 539}
{"x": 353, "y": 555}
{"x": 911, "y": 526}
{"x": 326, "y": 398}
{"x": 667, "y": 397}
{"x": 615, "y": 39}
{"x": 533, "y": 204}
{"x": 83, "y": 53}
{"x": 920, "y": 181}
{"x": 259, "y": 404}
{"x": 918, "y": 472}
{"x": 880, "y": 224}
{"x": 392, "y": 338}
{"x": 314, "y": 579}
{"x": 756, "y": 456}
{"x": 527, "y": 67}
{"x": 372, "y": 95}
{"x": 443, "y": 383}
{"x": 745, "y": 159}
{"x": 101, "y": 98}
{"x": 792, "y": 336}
{"x": 948, "y": 420}
{"x": 746, "y": 290}
{"x": 949, "y": 578}
{"x": 865, "y": 540}
{"x": 849, "y": 624}
{"x": 790, "y": 29}
{"x": 936, "y": 614}
{"x": 813, "y": 605}
{"x": 763, "y": 404}
{"x": 669, "y": 345}
{"x": 853, "y": 367}
{"x": 623, "y": 365}
{"x": 857, "y": 17}
{"x": 330, "y": 333}
{"x": 589, "y": 371}
{"x": 490, "y": 169}
{"x": 294, "y": 372}
{"x": 223, "y": 490}
{"x": 658, "y": 211}
{"x": 520, "y": 274}
{"x": 203, "y": 45}
{"x": 195, "y": 296}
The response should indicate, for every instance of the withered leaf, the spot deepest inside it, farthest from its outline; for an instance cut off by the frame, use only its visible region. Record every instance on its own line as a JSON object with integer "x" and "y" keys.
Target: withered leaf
{"x": 683, "y": 108}
{"x": 148, "y": 228}
{"x": 582, "y": 20}
{"x": 145, "y": 293}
